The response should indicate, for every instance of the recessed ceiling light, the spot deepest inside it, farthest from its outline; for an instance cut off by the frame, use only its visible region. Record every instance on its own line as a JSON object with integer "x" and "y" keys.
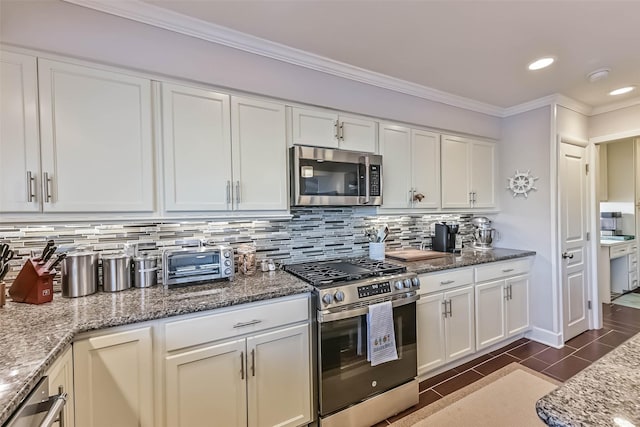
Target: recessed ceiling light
{"x": 622, "y": 90}
{"x": 541, "y": 63}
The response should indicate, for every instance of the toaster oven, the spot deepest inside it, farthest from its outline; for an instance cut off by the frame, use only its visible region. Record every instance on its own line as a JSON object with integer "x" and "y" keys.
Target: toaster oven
{"x": 193, "y": 265}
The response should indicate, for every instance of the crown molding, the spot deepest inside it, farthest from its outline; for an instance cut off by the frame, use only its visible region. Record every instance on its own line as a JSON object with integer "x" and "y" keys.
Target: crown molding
{"x": 572, "y": 104}
{"x": 163, "y": 18}
{"x": 615, "y": 106}
{"x": 529, "y": 105}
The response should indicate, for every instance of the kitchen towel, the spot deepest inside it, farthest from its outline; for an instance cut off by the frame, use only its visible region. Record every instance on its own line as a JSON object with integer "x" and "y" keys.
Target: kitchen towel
{"x": 381, "y": 337}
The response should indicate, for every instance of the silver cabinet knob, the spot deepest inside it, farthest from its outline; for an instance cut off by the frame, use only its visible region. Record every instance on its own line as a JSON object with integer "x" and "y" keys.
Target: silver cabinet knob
{"x": 338, "y": 296}
{"x": 327, "y": 299}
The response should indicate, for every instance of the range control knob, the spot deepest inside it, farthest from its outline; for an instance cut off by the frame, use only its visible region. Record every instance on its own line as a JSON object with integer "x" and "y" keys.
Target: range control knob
{"x": 398, "y": 285}
{"x": 338, "y": 296}
{"x": 327, "y": 299}
{"x": 415, "y": 281}
{"x": 226, "y": 254}
{"x": 407, "y": 283}
{"x": 227, "y": 263}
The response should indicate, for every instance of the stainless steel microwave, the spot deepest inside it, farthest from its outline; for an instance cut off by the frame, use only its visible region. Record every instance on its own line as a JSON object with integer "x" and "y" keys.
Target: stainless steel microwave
{"x": 328, "y": 177}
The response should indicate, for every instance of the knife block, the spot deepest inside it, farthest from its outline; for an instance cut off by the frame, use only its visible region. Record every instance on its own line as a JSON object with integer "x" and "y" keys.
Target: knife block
{"x": 34, "y": 284}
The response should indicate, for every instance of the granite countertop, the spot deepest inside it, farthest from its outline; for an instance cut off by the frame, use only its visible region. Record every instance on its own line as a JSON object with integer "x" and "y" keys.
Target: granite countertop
{"x": 465, "y": 258}
{"x": 603, "y": 394}
{"x": 33, "y": 336}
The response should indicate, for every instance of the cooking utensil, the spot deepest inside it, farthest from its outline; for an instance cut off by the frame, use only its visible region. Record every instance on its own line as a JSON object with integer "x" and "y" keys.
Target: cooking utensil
{"x": 3, "y": 271}
{"x": 7, "y": 255}
{"x": 58, "y": 260}
{"x": 46, "y": 248}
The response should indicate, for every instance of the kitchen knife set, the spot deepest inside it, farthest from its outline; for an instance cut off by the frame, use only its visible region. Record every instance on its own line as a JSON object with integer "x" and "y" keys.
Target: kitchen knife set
{"x": 47, "y": 253}
{"x": 6, "y": 255}
{"x": 34, "y": 283}
{"x": 378, "y": 235}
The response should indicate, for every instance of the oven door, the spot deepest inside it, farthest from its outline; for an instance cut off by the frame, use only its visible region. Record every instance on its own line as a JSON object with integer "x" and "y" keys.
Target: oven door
{"x": 345, "y": 375}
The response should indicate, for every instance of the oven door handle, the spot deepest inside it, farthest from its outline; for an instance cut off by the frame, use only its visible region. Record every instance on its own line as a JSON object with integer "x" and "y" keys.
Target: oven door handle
{"x": 348, "y": 313}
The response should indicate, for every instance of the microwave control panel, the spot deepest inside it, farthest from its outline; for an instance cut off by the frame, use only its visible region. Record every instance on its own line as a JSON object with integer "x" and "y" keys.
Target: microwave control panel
{"x": 374, "y": 180}
{"x": 374, "y": 289}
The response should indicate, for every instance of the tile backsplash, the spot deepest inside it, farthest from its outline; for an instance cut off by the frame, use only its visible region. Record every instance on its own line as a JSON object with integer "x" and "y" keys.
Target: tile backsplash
{"x": 310, "y": 234}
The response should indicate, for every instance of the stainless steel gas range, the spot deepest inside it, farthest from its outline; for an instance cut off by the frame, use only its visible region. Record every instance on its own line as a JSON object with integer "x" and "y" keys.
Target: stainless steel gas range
{"x": 351, "y": 392}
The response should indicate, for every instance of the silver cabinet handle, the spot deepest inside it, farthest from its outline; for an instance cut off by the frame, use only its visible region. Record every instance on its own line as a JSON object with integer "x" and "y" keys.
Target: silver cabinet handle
{"x": 46, "y": 183}
{"x": 506, "y": 292}
{"x": 471, "y": 198}
{"x": 55, "y": 412}
{"x": 242, "y": 365}
{"x": 506, "y": 270}
{"x": 237, "y": 192}
{"x": 249, "y": 323}
{"x": 510, "y": 291}
{"x": 474, "y": 197}
{"x": 228, "y": 192}
{"x": 447, "y": 282}
{"x": 335, "y": 127}
{"x": 444, "y": 313}
{"x": 253, "y": 362}
{"x": 342, "y": 131}
{"x": 450, "y": 309}
{"x": 30, "y": 185}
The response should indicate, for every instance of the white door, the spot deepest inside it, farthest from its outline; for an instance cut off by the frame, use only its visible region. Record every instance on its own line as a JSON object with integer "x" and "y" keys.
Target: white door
{"x": 207, "y": 384}
{"x": 430, "y": 332}
{"x": 517, "y": 313}
{"x": 19, "y": 142}
{"x": 455, "y": 155}
{"x": 279, "y": 378}
{"x": 259, "y": 152}
{"x": 483, "y": 174}
{"x": 196, "y": 130}
{"x": 572, "y": 177}
{"x": 395, "y": 147}
{"x": 314, "y": 127}
{"x": 113, "y": 377}
{"x": 61, "y": 375}
{"x": 425, "y": 168}
{"x": 459, "y": 323}
{"x": 97, "y": 150}
{"x": 357, "y": 134}
{"x": 490, "y": 313}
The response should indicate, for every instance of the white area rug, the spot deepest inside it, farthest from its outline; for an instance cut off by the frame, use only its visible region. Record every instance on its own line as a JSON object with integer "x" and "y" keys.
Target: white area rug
{"x": 628, "y": 300}
{"x": 504, "y": 398}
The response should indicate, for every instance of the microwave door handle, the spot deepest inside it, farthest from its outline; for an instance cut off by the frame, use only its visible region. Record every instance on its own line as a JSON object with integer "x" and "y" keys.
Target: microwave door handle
{"x": 367, "y": 181}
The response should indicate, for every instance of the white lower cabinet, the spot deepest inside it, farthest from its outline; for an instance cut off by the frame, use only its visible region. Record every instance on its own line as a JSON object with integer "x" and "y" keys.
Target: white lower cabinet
{"x": 502, "y": 304}
{"x": 258, "y": 375}
{"x": 113, "y": 376}
{"x": 445, "y": 327}
{"x": 61, "y": 376}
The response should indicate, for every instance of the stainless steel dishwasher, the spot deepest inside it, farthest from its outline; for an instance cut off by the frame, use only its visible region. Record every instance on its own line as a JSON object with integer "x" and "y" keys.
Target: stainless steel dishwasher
{"x": 39, "y": 409}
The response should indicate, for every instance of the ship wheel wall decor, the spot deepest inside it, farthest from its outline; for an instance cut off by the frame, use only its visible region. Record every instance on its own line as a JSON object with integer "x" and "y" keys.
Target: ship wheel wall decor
{"x": 521, "y": 183}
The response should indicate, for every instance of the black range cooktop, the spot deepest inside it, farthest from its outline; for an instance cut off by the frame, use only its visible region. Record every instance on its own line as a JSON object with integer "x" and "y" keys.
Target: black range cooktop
{"x": 326, "y": 273}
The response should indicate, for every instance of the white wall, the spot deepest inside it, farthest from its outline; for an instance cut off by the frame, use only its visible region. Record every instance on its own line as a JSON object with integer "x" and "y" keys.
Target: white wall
{"x": 615, "y": 122}
{"x": 76, "y": 31}
{"x": 526, "y": 223}
{"x": 572, "y": 124}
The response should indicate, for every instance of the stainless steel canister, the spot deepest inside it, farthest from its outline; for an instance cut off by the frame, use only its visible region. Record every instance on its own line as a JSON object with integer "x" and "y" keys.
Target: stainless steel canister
{"x": 144, "y": 271}
{"x": 115, "y": 272}
{"x": 79, "y": 274}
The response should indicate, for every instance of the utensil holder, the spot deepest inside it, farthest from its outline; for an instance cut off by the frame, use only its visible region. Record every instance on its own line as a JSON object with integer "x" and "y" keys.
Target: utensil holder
{"x": 376, "y": 251}
{"x": 34, "y": 284}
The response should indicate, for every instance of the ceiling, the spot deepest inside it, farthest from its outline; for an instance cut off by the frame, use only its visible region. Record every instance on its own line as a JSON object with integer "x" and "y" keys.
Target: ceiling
{"x": 474, "y": 49}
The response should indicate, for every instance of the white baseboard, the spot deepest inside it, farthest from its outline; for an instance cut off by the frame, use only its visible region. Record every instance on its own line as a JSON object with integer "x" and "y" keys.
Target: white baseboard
{"x": 544, "y": 336}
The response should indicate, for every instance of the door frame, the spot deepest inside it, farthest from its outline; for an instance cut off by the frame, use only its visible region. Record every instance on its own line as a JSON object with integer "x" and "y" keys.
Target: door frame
{"x": 595, "y": 313}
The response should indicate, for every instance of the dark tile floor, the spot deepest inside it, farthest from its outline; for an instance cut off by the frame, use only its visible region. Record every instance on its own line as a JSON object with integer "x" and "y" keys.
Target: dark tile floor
{"x": 619, "y": 324}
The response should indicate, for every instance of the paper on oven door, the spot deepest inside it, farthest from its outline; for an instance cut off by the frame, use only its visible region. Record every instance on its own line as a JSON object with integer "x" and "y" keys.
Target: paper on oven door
{"x": 381, "y": 337}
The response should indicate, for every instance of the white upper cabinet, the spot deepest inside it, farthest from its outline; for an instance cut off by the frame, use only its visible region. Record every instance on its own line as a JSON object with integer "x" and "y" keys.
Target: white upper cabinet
{"x": 259, "y": 151}
{"x": 332, "y": 130}
{"x": 19, "y": 144}
{"x": 411, "y": 167}
{"x": 196, "y": 129}
{"x": 97, "y": 152}
{"x": 468, "y": 173}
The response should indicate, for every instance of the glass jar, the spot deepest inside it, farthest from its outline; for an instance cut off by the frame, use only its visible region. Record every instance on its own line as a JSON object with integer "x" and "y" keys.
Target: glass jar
{"x": 247, "y": 259}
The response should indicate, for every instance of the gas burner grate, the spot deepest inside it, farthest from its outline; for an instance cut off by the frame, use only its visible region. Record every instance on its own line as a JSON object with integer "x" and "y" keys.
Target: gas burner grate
{"x": 325, "y": 273}
{"x": 378, "y": 267}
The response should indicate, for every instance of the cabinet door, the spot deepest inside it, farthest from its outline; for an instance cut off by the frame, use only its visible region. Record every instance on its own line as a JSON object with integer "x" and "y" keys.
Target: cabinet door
{"x": 425, "y": 167}
{"x": 459, "y": 323}
{"x": 357, "y": 134}
{"x": 517, "y": 305}
{"x": 61, "y": 374}
{"x": 196, "y": 129}
{"x": 259, "y": 155}
{"x": 395, "y": 147}
{"x": 19, "y": 145}
{"x": 207, "y": 385}
{"x": 96, "y": 139}
{"x": 279, "y": 377}
{"x": 314, "y": 127}
{"x": 455, "y": 173}
{"x": 114, "y": 379}
{"x": 483, "y": 174}
{"x": 490, "y": 314}
{"x": 430, "y": 332}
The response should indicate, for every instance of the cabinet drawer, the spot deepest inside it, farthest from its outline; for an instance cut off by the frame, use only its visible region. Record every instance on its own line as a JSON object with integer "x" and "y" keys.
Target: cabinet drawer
{"x": 435, "y": 282}
{"x": 216, "y": 326}
{"x": 633, "y": 280}
{"x": 618, "y": 251}
{"x": 502, "y": 269}
{"x": 633, "y": 262}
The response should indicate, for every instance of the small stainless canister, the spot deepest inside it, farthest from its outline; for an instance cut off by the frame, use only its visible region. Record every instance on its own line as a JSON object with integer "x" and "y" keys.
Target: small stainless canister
{"x": 79, "y": 274}
{"x": 144, "y": 271}
{"x": 115, "y": 272}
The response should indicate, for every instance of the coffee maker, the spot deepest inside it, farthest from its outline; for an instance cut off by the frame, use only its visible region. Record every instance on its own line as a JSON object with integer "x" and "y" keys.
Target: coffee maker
{"x": 445, "y": 238}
